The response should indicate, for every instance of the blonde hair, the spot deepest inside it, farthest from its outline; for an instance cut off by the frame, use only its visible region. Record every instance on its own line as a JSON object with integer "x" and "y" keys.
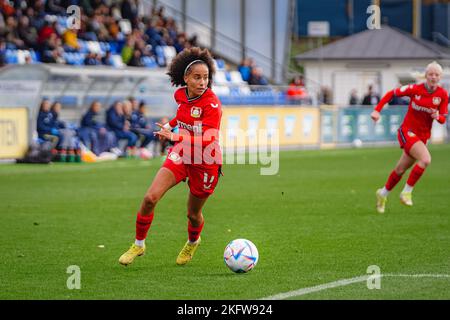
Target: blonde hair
{"x": 434, "y": 65}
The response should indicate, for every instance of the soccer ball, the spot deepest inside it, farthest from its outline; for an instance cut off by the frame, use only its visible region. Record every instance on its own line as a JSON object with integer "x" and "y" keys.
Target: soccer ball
{"x": 241, "y": 255}
{"x": 357, "y": 143}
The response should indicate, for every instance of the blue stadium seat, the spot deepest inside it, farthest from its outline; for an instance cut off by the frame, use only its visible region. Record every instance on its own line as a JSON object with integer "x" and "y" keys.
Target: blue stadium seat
{"x": 83, "y": 46}
{"x": 149, "y": 62}
{"x": 11, "y": 56}
{"x": 113, "y": 47}
{"x": 160, "y": 58}
{"x": 220, "y": 64}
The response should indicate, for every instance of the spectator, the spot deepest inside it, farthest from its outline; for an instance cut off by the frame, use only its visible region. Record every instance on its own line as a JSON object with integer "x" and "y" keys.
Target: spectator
{"x": 296, "y": 91}
{"x": 353, "y": 97}
{"x": 52, "y": 51}
{"x": 92, "y": 59}
{"x": 245, "y": 69}
{"x": 136, "y": 60}
{"x": 107, "y": 59}
{"x": 128, "y": 10}
{"x": 93, "y": 133}
{"x": 46, "y": 31}
{"x": 325, "y": 95}
{"x": 69, "y": 140}
{"x": 257, "y": 78}
{"x": 2, "y": 53}
{"x": 116, "y": 122}
{"x": 140, "y": 126}
{"x": 12, "y": 33}
{"x": 128, "y": 49}
{"x": 371, "y": 98}
{"x": 46, "y": 126}
{"x": 55, "y": 7}
{"x": 28, "y": 33}
{"x": 70, "y": 39}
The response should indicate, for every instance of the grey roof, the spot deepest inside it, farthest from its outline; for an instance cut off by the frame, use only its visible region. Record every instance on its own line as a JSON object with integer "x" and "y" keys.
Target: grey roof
{"x": 384, "y": 43}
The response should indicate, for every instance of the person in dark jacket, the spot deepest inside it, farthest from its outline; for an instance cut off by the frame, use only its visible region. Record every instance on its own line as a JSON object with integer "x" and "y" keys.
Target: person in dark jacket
{"x": 46, "y": 125}
{"x": 93, "y": 133}
{"x": 140, "y": 126}
{"x": 116, "y": 122}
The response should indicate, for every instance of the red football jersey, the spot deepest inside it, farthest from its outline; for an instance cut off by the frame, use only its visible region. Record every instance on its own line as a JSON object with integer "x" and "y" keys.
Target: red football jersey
{"x": 200, "y": 117}
{"x": 423, "y": 103}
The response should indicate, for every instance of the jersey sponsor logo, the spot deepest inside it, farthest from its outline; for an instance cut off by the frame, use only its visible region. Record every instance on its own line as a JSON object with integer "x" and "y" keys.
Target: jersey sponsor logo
{"x": 194, "y": 128}
{"x": 215, "y": 106}
{"x": 436, "y": 101}
{"x": 420, "y": 108}
{"x": 196, "y": 112}
{"x": 403, "y": 89}
{"x": 175, "y": 157}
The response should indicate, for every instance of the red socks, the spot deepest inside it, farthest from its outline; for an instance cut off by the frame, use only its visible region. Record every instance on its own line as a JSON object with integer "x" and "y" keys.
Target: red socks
{"x": 415, "y": 175}
{"x": 393, "y": 179}
{"x": 194, "y": 232}
{"x": 143, "y": 223}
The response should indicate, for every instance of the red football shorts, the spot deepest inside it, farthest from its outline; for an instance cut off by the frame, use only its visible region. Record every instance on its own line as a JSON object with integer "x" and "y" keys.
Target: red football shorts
{"x": 407, "y": 139}
{"x": 202, "y": 178}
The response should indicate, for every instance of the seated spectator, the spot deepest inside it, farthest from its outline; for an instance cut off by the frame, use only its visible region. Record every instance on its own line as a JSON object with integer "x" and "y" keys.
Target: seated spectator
{"x": 136, "y": 60}
{"x": 70, "y": 39}
{"x": 140, "y": 126}
{"x": 127, "y": 50}
{"x": 245, "y": 69}
{"x": 93, "y": 133}
{"x": 12, "y": 34}
{"x": 116, "y": 122}
{"x": 55, "y": 7}
{"x": 47, "y": 127}
{"x": 69, "y": 141}
{"x": 371, "y": 98}
{"x": 257, "y": 78}
{"x": 51, "y": 50}
{"x": 2, "y": 53}
{"x": 28, "y": 33}
{"x": 92, "y": 59}
{"x": 107, "y": 60}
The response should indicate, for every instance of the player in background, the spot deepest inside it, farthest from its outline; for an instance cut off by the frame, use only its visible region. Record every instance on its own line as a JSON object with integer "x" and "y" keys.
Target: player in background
{"x": 428, "y": 102}
{"x": 196, "y": 154}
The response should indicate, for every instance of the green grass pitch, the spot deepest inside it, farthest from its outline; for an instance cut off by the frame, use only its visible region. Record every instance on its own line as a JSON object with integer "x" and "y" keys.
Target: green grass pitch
{"x": 313, "y": 223}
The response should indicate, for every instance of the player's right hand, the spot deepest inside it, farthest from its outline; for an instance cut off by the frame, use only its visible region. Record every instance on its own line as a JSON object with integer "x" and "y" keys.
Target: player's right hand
{"x": 375, "y": 115}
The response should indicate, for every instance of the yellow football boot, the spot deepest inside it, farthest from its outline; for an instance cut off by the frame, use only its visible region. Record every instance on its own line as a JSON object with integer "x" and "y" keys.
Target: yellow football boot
{"x": 187, "y": 252}
{"x": 129, "y": 256}
{"x": 381, "y": 202}
{"x": 406, "y": 198}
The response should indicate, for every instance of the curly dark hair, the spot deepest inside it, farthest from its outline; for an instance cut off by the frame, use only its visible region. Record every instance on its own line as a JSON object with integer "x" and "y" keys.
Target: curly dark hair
{"x": 184, "y": 58}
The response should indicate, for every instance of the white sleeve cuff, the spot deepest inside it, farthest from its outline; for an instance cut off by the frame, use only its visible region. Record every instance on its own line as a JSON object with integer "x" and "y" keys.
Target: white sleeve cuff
{"x": 167, "y": 126}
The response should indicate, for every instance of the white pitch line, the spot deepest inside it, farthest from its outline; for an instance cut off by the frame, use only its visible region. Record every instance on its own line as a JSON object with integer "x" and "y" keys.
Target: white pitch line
{"x": 345, "y": 282}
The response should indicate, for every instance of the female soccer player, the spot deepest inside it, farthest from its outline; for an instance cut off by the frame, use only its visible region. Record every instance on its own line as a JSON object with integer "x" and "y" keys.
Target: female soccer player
{"x": 428, "y": 102}
{"x": 196, "y": 154}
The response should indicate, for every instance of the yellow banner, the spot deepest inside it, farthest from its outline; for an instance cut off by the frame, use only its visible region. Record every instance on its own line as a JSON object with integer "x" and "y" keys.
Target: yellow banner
{"x": 293, "y": 126}
{"x": 13, "y": 132}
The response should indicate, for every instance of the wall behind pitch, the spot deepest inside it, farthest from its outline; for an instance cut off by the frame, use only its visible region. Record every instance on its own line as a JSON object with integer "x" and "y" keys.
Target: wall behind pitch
{"x": 294, "y": 126}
